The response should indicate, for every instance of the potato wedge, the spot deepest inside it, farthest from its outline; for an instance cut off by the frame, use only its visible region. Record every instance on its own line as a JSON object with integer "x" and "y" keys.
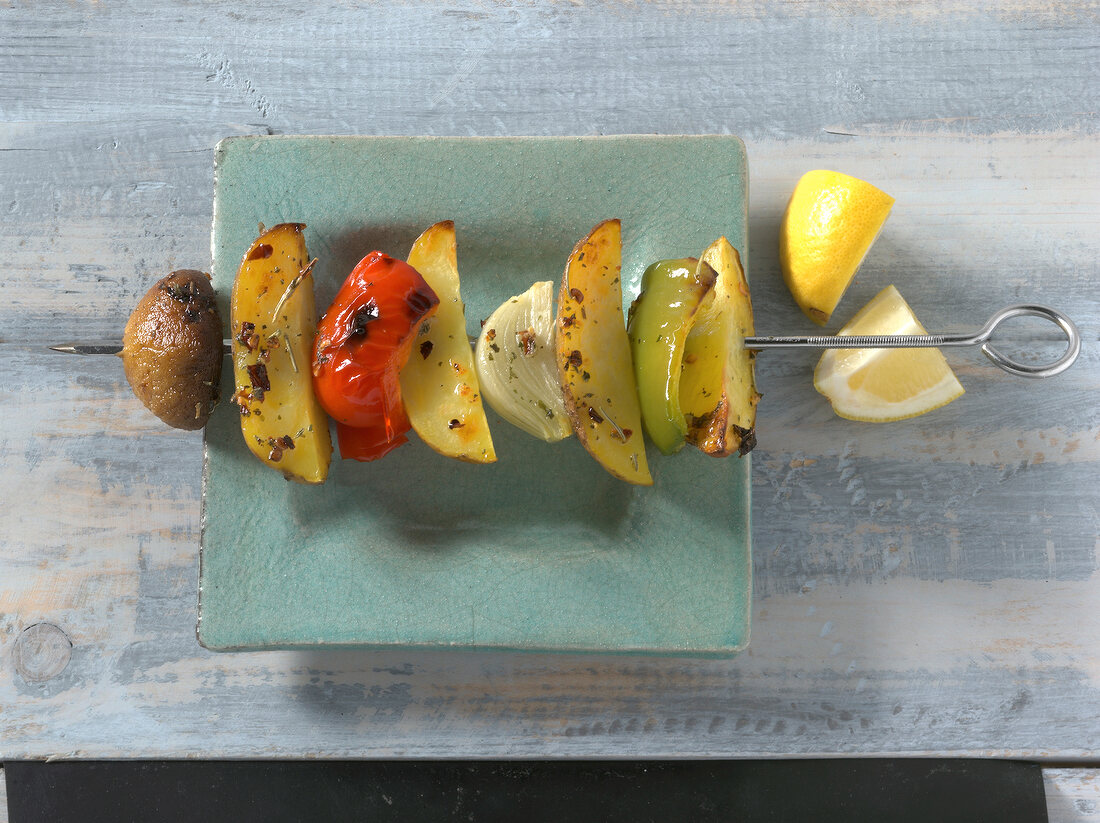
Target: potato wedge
{"x": 439, "y": 383}
{"x": 593, "y": 357}
{"x": 718, "y": 386}
{"x": 273, "y": 321}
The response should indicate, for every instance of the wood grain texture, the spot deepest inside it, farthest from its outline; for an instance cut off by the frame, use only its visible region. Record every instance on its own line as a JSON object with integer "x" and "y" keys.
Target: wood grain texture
{"x": 922, "y": 587}
{"x": 1073, "y": 795}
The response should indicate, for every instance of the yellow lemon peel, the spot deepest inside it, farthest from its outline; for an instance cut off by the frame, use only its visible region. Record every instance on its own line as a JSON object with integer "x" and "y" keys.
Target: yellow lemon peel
{"x": 831, "y": 222}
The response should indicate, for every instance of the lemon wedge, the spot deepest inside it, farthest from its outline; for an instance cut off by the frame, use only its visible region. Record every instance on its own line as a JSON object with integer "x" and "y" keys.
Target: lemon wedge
{"x": 880, "y": 385}
{"x": 830, "y": 223}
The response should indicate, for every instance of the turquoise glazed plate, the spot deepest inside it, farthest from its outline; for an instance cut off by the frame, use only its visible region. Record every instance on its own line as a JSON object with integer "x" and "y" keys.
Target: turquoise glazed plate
{"x": 541, "y": 551}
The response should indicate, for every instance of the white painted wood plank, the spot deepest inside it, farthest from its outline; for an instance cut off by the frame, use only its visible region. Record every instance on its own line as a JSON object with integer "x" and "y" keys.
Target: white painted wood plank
{"x": 3, "y": 797}
{"x": 881, "y": 624}
{"x": 778, "y": 69}
{"x": 928, "y": 587}
{"x": 1073, "y": 795}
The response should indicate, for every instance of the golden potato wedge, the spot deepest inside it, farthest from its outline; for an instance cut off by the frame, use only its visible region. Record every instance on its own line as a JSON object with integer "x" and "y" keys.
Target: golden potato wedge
{"x": 593, "y": 357}
{"x": 273, "y": 321}
{"x": 717, "y": 385}
{"x": 439, "y": 383}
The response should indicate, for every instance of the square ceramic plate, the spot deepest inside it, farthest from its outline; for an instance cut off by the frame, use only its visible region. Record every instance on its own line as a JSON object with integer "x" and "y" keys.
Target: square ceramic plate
{"x": 542, "y": 550}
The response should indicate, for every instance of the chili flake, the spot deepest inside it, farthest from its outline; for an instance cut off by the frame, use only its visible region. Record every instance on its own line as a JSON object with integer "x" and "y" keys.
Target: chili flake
{"x": 260, "y": 252}
{"x": 247, "y": 336}
{"x": 527, "y": 340}
{"x": 257, "y": 373}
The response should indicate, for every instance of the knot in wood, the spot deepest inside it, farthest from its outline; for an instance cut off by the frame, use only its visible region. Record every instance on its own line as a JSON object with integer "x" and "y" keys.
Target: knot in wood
{"x": 41, "y": 652}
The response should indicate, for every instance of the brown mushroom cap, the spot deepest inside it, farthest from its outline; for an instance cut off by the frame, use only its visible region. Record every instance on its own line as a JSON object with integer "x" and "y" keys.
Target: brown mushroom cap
{"x": 172, "y": 349}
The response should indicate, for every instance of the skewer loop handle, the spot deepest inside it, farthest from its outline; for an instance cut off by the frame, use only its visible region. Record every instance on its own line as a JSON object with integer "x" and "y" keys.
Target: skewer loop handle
{"x": 1002, "y": 361}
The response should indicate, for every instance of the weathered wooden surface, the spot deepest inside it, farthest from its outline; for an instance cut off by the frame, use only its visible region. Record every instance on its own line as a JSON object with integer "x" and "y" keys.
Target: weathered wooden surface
{"x": 1073, "y": 795}
{"x": 925, "y": 587}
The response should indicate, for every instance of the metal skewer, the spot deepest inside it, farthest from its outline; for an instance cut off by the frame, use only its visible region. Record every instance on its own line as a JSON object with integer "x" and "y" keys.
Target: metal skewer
{"x": 839, "y": 341}
{"x": 88, "y": 348}
{"x": 110, "y": 348}
{"x": 930, "y": 341}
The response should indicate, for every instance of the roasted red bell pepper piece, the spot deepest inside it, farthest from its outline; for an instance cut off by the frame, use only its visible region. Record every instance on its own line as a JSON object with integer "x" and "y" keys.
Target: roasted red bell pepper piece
{"x": 362, "y": 342}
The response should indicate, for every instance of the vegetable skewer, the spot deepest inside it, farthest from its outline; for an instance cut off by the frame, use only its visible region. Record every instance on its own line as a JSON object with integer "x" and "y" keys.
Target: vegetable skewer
{"x": 837, "y": 341}
{"x": 680, "y": 363}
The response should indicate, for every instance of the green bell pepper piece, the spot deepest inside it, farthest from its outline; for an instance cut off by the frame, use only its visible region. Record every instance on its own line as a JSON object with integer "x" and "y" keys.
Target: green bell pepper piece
{"x": 660, "y": 319}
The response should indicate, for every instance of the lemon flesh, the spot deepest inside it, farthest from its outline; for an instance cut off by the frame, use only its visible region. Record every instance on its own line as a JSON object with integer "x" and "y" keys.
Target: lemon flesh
{"x": 880, "y": 385}
{"x": 830, "y": 223}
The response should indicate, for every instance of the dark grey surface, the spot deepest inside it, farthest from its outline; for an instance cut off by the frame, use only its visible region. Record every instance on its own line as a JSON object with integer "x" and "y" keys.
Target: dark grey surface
{"x": 902, "y": 791}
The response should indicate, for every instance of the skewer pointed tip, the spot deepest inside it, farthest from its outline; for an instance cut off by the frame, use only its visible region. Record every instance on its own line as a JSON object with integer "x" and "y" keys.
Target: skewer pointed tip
{"x": 87, "y": 348}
